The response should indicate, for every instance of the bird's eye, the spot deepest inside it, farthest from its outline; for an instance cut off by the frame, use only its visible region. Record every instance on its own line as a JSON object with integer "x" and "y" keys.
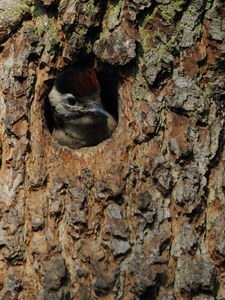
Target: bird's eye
{"x": 71, "y": 101}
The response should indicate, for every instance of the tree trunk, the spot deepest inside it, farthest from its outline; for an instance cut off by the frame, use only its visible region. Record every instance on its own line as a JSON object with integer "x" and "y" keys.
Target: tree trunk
{"x": 141, "y": 215}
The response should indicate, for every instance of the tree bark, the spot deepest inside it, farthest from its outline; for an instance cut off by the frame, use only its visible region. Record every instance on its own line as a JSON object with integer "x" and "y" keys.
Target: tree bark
{"x": 141, "y": 215}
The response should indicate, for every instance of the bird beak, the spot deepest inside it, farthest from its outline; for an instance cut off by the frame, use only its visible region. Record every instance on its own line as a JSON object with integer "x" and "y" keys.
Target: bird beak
{"x": 97, "y": 109}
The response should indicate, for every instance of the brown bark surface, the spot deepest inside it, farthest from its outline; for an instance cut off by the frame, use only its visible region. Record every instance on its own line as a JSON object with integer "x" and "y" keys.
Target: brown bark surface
{"x": 141, "y": 215}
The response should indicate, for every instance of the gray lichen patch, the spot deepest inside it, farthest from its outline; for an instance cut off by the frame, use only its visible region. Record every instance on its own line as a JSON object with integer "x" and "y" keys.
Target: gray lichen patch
{"x": 11, "y": 14}
{"x": 194, "y": 274}
{"x": 189, "y": 27}
{"x": 187, "y": 96}
{"x": 113, "y": 15}
{"x": 157, "y": 62}
{"x": 116, "y": 49}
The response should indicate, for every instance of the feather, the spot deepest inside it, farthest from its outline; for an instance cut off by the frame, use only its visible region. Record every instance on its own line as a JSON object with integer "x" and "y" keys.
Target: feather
{"x": 80, "y": 83}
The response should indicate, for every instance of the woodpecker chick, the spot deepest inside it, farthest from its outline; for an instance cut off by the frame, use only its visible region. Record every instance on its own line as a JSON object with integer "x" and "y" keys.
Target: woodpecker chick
{"x": 79, "y": 117}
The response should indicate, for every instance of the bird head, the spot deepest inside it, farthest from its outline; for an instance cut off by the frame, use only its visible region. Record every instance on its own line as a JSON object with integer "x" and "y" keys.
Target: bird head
{"x": 76, "y": 94}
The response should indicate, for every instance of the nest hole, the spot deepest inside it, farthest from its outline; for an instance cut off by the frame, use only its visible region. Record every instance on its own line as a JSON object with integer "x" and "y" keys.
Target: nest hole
{"x": 109, "y": 80}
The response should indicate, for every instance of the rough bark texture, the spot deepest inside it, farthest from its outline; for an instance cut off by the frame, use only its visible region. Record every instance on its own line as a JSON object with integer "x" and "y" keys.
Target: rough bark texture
{"x": 142, "y": 215}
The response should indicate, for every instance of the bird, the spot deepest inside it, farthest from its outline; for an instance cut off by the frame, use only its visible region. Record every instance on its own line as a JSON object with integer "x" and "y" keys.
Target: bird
{"x": 80, "y": 120}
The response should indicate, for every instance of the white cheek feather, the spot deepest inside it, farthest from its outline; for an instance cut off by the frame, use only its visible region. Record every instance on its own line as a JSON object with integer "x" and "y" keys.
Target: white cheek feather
{"x": 58, "y": 100}
{"x": 55, "y": 97}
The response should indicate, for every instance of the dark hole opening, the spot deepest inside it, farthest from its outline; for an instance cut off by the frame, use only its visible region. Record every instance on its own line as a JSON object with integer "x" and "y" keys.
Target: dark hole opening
{"x": 109, "y": 83}
{"x": 49, "y": 120}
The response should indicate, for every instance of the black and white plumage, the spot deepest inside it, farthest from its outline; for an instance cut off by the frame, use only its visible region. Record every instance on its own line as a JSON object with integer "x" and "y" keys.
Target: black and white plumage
{"x": 79, "y": 117}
